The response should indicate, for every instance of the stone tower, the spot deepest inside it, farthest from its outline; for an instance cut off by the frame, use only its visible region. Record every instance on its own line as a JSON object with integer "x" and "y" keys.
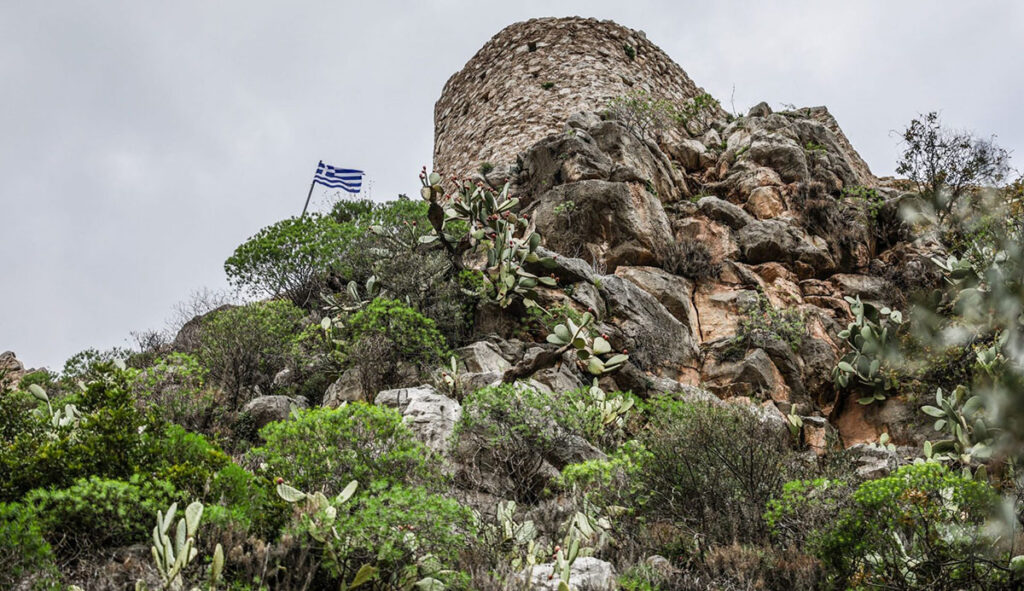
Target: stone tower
{"x": 525, "y": 82}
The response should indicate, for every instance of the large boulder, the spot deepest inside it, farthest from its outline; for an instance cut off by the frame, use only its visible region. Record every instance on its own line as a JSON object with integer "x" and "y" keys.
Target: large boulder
{"x": 611, "y": 223}
{"x": 656, "y": 340}
{"x": 267, "y": 409}
{"x": 429, "y": 414}
{"x": 675, "y": 293}
{"x": 585, "y": 574}
{"x": 347, "y": 388}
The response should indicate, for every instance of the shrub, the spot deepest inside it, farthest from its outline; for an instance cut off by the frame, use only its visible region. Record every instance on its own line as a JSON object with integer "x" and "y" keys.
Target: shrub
{"x": 947, "y": 165}
{"x": 99, "y": 512}
{"x": 25, "y": 553}
{"x": 175, "y": 386}
{"x": 920, "y": 528}
{"x": 407, "y": 533}
{"x": 290, "y": 258}
{"x": 641, "y": 114}
{"x": 384, "y": 336}
{"x": 324, "y": 449}
{"x": 761, "y": 322}
{"x": 244, "y": 347}
{"x": 710, "y": 469}
{"x": 509, "y": 433}
{"x": 689, "y": 258}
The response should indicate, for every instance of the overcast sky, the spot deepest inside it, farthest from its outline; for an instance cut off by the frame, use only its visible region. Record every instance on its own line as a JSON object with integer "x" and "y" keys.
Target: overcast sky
{"x": 140, "y": 142}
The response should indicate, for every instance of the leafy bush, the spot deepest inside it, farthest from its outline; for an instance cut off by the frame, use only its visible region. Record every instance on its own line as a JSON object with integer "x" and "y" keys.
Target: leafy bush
{"x": 99, "y": 512}
{"x": 107, "y": 441}
{"x": 26, "y": 555}
{"x": 244, "y": 347}
{"x": 386, "y": 335}
{"x": 175, "y": 386}
{"x": 922, "y": 527}
{"x": 290, "y": 258}
{"x": 509, "y": 433}
{"x": 761, "y": 322}
{"x": 324, "y": 449}
{"x": 642, "y": 114}
{"x": 710, "y": 469}
{"x": 406, "y": 533}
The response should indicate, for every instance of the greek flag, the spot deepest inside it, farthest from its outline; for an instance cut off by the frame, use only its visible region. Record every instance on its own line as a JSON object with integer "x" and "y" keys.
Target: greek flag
{"x": 338, "y": 178}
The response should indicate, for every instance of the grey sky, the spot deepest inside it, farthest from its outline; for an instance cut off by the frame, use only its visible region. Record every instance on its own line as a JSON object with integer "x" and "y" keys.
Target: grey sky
{"x": 142, "y": 141}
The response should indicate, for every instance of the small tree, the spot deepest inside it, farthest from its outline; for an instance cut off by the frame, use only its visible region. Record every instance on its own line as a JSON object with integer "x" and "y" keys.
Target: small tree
{"x": 243, "y": 347}
{"x": 946, "y": 164}
{"x": 290, "y": 257}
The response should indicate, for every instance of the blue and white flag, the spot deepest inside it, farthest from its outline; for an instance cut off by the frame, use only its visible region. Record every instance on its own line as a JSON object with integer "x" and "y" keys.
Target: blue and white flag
{"x": 338, "y": 178}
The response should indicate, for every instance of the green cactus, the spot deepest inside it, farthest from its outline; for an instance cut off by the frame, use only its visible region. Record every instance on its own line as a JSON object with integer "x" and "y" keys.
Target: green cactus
{"x": 69, "y": 416}
{"x": 868, "y": 337}
{"x": 963, "y": 418}
{"x": 612, "y": 410}
{"x": 509, "y": 240}
{"x": 172, "y": 556}
{"x": 593, "y": 352}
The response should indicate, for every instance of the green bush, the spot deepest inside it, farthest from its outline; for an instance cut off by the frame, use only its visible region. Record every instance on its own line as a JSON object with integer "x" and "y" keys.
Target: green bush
{"x": 508, "y": 434}
{"x": 385, "y": 336}
{"x": 175, "y": 386}
{"x": 407, "y": 533}
{"x": 689, "y": 258}
{"x": 920, "y": 528}
{"x": 290, "y": 258}
{"x": 710, "y": 469}
{"x": 324, "y": 449}
{"x": 24, "y": 553}
{"x": 108, "y": 441}
{"x": 99, "y": 512}
{"x": 244, "y": 347}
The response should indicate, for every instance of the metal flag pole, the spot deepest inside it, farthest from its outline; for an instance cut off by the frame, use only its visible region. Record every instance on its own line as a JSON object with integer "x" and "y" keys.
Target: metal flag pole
{"x": 310, "y": 194}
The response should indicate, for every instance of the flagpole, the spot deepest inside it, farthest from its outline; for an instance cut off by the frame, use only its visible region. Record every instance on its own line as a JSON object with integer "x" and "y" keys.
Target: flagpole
{"x": 310, "y": 194}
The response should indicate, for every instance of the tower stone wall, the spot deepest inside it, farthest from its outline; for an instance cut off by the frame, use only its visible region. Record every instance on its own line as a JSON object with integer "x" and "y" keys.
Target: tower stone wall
{"x": 528, "y": 79}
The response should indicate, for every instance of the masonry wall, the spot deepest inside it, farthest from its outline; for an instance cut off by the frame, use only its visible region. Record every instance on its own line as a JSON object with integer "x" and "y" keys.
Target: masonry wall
{"x": 526, "y": 81}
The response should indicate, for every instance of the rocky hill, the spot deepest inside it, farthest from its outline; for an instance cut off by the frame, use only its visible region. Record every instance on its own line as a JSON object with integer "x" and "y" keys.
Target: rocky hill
{"x": 626, "y": 340}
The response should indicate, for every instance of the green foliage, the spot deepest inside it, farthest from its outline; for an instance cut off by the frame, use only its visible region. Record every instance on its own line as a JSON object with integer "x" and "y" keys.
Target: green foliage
{"x": 508, "y": 240}
{"x": 26, "y": 555}
{"x": 507, "y": 433}
{"x": 175, "y": 387}
{"x": 172, "y": 557}
{"x": 407, "y": 533}
{"x": 108, "y": 441}
{"x": 710, "y": 469}
{"x": 98, "y": 512}
{"x": 948, "y": 165}
{"x": 593, "y": 352}
{"x": 244, "y": 347}
{"x": 871, "y": 200}
{"x": 964, "y": 418}
{"x": 643, "y": 114}
{"x": 761, "y": 322}
{"x": 697, "y": 114}
{"x": 43, "y": 378}
{"x": 323, "y": 449}
{"x": 630, "y": 51}
{"x": 290, "y": 258}
{"x": 814, "y": 147}
{"x": 922, "y": 527}
{"x": 868, "y": 338}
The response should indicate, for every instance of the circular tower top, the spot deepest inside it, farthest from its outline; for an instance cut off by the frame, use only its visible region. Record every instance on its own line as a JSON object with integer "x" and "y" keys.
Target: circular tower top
{"x": 528, "y": 79}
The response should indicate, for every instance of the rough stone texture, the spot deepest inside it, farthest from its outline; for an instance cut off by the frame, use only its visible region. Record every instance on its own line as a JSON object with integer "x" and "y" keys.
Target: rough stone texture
{"x": 586, "y": 574}
{"x": 497, "y": 105}
{"x": 429, "y": 414}
{"x": 672, "y": 291}
{"x": 267, "y": 409}
{"x": 346, "y": 388}
{"x": 11, "y": 370}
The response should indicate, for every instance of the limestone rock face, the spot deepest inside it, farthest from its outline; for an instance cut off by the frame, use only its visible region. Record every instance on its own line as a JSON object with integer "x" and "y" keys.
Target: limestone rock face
{"x": 586, "y": 574}
{"x": 430, "y": 414}
{"x": 528, "y": 79}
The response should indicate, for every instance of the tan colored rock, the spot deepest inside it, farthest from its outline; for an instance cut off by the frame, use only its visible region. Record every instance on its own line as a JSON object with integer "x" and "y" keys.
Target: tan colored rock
{"x": 715, "y": 236}
{"x": 718, "y": 308}
{"x": 765, "y": 203}
{"x": 853, "y": 424}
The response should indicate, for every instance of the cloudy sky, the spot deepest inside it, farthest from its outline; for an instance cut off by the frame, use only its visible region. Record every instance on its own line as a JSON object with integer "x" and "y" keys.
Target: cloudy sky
{"x": 142, "y": 141}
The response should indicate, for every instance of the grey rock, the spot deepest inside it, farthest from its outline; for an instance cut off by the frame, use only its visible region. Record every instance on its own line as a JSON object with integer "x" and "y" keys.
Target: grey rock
{"x": 692, "y": 154}
{"x": 430, "y": 415}
{"x": 761, "y": 109}
{"x": 766, "y": 241}
{"x": 347, "y": 388}
{"x": 752, "y": 375}
{"x": 868, "y": 287}
{"x": 267, "y": 409}
{"x": 781, "y": 154}
{"x": 656, "y": 340}
{"x": 615, "y": 223}
{"x": 872, "y": 460}
{"x": 586, "y": 574}
{"x": 482, "y": 357}
{"x": 583, "y": 120}
{"x": 675, "y": 293}
{"x": 721, "y": 210}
